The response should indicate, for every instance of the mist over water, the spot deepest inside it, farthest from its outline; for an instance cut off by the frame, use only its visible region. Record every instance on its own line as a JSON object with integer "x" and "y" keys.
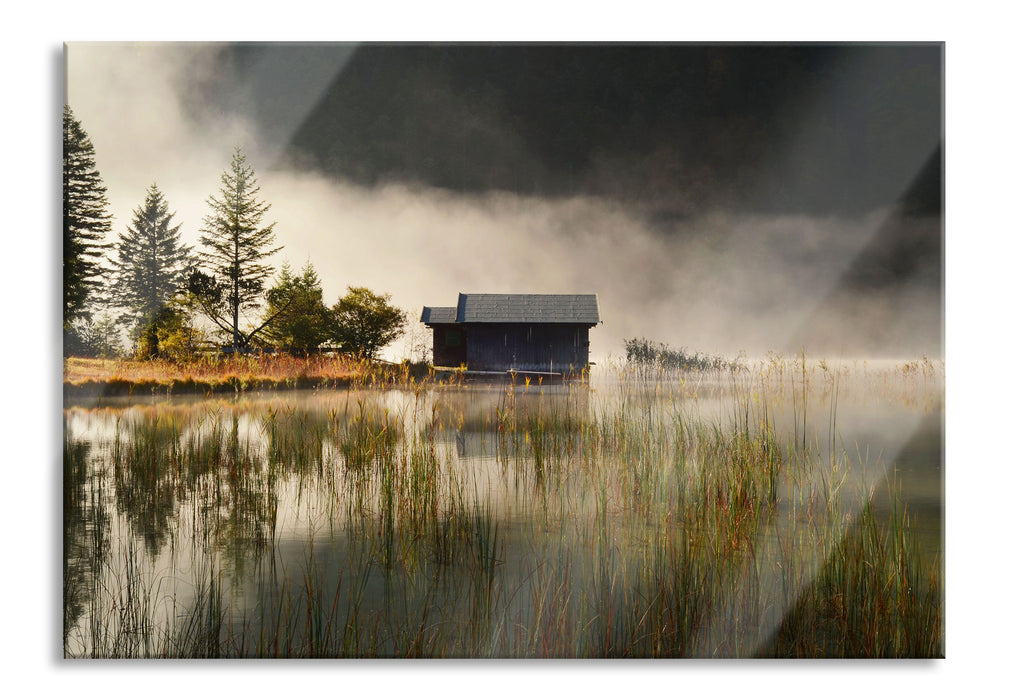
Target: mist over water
{"x": 272, "y": 492}
{"x": 715, "y": 281}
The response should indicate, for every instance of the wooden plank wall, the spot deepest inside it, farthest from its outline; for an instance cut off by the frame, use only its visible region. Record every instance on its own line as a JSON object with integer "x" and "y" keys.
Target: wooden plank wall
{"x": 534, "y": 347}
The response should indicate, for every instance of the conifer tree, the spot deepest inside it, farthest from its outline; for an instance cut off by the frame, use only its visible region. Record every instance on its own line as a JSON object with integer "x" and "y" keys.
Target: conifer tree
{"x": 86, "y": 220}
{"x": 152, "y": 263}
{"x": 236, "y": 247}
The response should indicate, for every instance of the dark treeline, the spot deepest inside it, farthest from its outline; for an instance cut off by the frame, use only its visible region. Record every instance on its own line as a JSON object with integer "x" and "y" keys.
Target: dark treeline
{"x": 164, "y": 296}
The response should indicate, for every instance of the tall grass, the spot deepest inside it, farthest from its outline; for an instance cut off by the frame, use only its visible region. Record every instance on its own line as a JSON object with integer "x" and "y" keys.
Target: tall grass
{"x": 582, "y": 522}
{"x": 642, "y": 355}
{"x": 223, "y": 374}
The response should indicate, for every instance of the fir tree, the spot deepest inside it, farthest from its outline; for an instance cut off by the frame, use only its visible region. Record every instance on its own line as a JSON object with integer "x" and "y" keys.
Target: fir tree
{"x": 152, "y": 262}
{"x": 85, "y": 221}
{"x": 236, "y": 247}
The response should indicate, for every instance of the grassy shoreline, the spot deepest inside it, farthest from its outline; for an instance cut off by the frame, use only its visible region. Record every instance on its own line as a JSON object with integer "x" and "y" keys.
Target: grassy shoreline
{"x": 88, "y": 377}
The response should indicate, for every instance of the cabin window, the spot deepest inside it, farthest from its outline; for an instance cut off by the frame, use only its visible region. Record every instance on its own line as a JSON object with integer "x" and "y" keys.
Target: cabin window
{"x": 453, "y": 338}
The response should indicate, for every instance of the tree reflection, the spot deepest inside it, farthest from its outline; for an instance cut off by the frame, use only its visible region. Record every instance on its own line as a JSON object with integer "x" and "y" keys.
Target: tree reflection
{"x": 85, "y": 524}
{"x": 167, "y": 462}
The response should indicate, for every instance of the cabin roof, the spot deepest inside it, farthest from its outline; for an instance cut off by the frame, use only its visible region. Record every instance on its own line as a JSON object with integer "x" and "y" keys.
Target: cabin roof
{"x": 517, "y": 308}
{"x": 438, "y": 314}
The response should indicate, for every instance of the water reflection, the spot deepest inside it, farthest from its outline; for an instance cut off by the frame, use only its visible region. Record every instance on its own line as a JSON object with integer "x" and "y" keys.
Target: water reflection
{"x": 84, "y": 524}
{"x": 497, "y": 520}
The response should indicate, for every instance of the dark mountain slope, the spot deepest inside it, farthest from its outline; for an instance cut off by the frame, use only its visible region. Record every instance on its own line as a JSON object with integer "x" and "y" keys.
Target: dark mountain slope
{"x": 674, "y": 128}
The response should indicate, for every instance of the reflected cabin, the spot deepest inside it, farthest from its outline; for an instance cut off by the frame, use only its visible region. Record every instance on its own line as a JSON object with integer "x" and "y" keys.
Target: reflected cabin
{"x": 536, "y": 333}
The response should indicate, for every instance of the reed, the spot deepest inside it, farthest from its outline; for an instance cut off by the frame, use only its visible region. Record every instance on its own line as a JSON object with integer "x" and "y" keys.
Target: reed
{"x": 620, "y": 520}
{"x": 224, "y": 374}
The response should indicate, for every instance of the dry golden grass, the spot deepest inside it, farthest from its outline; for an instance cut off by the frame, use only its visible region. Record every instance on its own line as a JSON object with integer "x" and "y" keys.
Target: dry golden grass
{"x": 87, "y": 377}
{"x": 276, "y": 368}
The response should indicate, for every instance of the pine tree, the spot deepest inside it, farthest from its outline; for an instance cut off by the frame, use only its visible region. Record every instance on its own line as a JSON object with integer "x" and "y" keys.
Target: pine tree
{"x": 85, "y": 220}
{"x": 152, "y": 262}
{"x": 236, "y": 247}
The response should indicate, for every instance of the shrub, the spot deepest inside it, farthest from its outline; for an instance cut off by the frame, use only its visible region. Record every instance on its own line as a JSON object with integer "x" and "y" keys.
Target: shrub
{"x": 169, "y": 335}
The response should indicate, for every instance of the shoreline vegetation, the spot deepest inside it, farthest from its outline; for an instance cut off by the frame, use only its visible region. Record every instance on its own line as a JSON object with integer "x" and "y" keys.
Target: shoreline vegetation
{"x": 86, "y": 377}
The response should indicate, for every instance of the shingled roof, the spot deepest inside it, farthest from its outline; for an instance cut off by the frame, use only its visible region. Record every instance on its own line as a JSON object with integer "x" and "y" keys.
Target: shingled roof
{"x": 517, "y": 308}
{"x": 437, "y": 314}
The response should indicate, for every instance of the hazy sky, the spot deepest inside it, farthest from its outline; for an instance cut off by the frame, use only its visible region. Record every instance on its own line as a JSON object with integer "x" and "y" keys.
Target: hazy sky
{"x": 712, "y": 199}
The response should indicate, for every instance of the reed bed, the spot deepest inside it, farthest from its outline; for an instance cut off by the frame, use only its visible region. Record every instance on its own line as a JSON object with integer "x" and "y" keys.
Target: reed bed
{"x": 665, "y": 516}
{"x": 211, "y": 367}
{"x": 208, "y": 374}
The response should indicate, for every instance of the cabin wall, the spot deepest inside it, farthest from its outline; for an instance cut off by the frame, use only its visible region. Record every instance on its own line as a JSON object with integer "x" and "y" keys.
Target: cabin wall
{"x": 534, "y": 347}
{"x": 449, "y": 348}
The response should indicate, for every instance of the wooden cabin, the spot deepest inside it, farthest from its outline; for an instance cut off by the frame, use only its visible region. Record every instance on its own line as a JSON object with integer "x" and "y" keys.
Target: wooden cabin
{"x": 537, "y": 333}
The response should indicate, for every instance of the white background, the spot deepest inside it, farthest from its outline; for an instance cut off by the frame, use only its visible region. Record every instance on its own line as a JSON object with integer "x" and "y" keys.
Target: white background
{"x": 976, "y": 232}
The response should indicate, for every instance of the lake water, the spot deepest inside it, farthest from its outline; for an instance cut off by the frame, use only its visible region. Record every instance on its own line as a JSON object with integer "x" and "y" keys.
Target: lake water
{"x": 658, "y": 515}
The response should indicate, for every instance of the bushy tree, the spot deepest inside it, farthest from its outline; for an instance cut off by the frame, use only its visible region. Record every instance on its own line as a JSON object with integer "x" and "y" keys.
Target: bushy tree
{"x": 86, "y": 220}
{"x": 169, "y": 333}
{"x": 365, "y": 322}
{"x": 301, "y": 322}
{"x": 236, "y": 247}
{"x": 151, "y": 265}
